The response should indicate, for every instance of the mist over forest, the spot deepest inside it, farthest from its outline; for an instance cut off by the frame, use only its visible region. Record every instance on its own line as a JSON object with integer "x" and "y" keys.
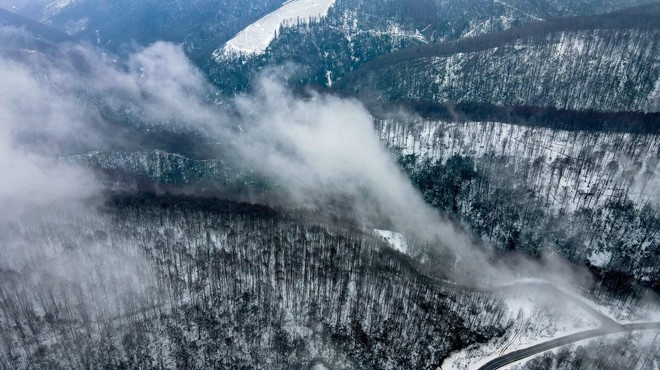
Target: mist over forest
{"x": 436, "y": 184}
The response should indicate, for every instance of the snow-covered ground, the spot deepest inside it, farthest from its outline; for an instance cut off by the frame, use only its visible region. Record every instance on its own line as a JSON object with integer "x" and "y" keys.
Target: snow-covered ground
{"x": 255, "y": 38}
{"x": 639, "y": 341}
{"x": 535, "y": 319}
{"x": 395, "y": 240}
{"x": 574, "y": 168}
{"x": 56, "y": 7}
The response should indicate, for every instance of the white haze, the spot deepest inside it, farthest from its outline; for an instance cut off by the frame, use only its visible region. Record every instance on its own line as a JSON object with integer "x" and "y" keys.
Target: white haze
{"x": 43, "y": 200}
{"x": 26, "y": 108}
{"x": 324, "y": 148}
{"x": 13, "y": 4}
{"x": 318, "y": 149}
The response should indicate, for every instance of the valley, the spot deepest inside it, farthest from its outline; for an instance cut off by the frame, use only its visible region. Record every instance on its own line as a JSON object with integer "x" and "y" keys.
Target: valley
{"x": 317, "y": 184}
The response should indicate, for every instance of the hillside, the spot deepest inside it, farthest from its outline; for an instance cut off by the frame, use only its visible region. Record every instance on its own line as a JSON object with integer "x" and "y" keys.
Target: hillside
{"x": 200, "y": 25}
{"x": 355, "y": 32}
{"x": 565, "y": 191}
{"x": 535, "y": 189}
{"x": 20, "y": 35}
{"x": 606, "y": 63}
{"x": 329, "y": 184}
{"x": 185, "y": 282}
{"x": 37, "y": 29}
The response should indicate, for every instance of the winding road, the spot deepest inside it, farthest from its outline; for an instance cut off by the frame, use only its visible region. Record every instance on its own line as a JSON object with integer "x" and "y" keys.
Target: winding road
{"x": 549, "y": 288}
{"x": 562, "y": 341}
{"x": 608, "y": 325}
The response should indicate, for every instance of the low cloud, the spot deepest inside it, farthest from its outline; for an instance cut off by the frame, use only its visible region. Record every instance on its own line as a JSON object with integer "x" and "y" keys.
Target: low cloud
{"x": 48, "y": 110}
{"x": 31, "y": 112}
{"x": 318, "y": 150}
{"x": 323, "y": 150}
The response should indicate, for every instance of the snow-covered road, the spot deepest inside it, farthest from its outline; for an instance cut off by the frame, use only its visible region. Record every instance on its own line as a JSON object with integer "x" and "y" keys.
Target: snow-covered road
{"x": 558, "y": 342}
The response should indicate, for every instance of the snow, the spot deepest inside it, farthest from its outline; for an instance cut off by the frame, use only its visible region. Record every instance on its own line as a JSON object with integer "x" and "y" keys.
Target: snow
{"x": 643, "y": 340}
{"x": 475, "y": 356}
{"x": 560, "y": 152}
{"x": 396, "y": 31}
{"x": 654, "y": 97}
{"x": 56, "y": 7}
{"x": 255, "y": 38}
{"x": 74, "y": 27}
{"x": 59, "y": 4}
{"x": 396, "y": 240}
{"x": 531, "y": 16}
{"x": 622, "y": 316}
{"x": 600, "y": 259}
{"x": 570, "y": 44}
{"x": 535, "y": 319}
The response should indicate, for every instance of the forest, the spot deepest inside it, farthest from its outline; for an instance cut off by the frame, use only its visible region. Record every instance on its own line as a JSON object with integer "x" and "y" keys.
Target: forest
{"x": 638, "y": 17}
{"x": 163, "y": 281}
{"x": 396, "y": 185}
{"x": 538, "y": 190}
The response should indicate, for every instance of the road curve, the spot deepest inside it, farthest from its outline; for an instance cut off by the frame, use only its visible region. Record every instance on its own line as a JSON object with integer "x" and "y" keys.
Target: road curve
{"x": 544, "y": 286}
{"x": 548, "y": 287}
{"x": 609, "y": 326}
{"x": 558, "y": 342}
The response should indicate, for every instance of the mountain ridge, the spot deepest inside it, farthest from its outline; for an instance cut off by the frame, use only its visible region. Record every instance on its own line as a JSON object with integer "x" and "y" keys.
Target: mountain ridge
{"x": 645, "y": 16}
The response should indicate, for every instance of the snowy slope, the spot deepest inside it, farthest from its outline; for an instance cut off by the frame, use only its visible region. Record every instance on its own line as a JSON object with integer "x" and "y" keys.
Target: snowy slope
{"x": 533, "y": 320}
{"x": 605, "y": 70}
{"x": 574, "y": 168}
{"x": 395, "y": 240}
{"x": 255, "y": 38}
{"x": 55, "y": 7}
{"x": 594, "y": 179}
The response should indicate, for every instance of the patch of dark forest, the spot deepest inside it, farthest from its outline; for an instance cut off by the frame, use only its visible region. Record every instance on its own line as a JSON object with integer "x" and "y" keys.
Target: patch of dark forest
{"x": 645, "y": 16}
{"x": 546, "y": 117}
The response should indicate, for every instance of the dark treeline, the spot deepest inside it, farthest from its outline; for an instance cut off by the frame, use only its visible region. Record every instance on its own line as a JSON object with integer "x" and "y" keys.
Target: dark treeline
{"x": 124, "y": 201}
{"x": 549, "y": 117}
{"x": 638, "y": 17}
